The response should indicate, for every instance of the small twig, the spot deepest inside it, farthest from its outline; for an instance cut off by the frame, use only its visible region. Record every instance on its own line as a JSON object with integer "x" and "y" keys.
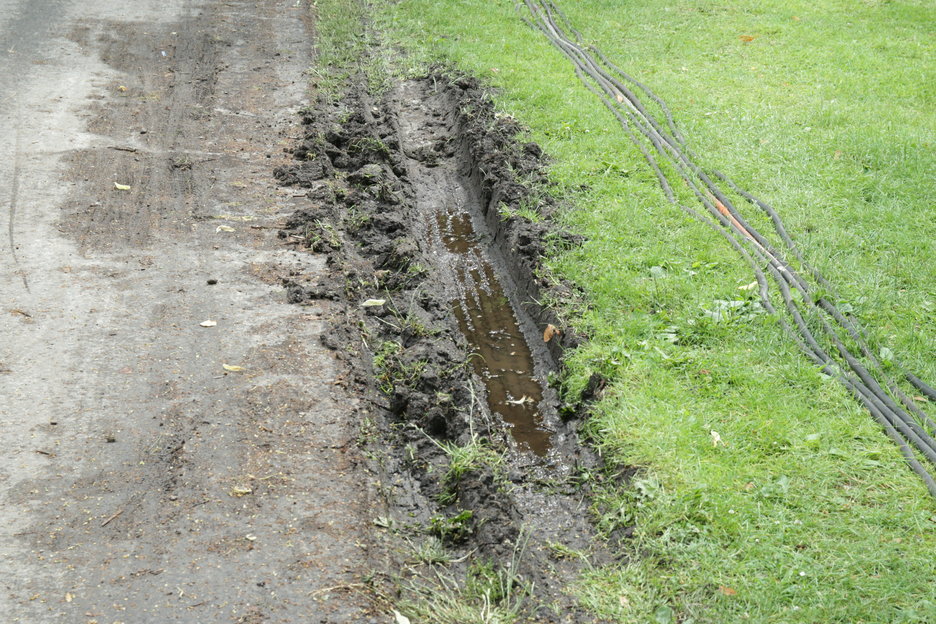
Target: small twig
{"x": 106, "y": 522}
{"x": 347, "y": 586}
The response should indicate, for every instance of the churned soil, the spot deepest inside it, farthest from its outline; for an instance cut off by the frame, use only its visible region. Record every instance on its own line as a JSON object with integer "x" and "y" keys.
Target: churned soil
{"x": 421, "y": 201}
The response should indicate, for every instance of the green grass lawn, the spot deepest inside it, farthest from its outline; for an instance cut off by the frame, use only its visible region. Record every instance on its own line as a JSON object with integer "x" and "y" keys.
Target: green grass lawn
{"x": 805, "y": 512}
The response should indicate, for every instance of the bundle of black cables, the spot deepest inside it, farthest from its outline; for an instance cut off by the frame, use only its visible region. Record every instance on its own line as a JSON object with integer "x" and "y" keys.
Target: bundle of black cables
{"x": 833, "y": 341}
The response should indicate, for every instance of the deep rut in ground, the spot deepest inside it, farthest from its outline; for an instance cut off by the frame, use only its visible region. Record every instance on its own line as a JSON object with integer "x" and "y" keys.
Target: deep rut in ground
{"x": 451, "y": 226}
{"x": 415, "y": 201}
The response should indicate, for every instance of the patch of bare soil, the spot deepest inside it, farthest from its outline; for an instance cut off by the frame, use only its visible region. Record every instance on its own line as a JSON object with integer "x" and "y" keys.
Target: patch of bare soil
{"x": 434, "y": 220}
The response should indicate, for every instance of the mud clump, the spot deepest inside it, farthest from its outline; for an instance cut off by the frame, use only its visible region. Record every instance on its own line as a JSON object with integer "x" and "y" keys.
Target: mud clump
{"x": 422, "y": 203}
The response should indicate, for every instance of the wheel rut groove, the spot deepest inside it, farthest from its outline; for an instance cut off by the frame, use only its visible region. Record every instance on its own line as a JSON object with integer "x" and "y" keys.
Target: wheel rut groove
{"x": 456, "y": 238}
{"x": 414, "y": 201}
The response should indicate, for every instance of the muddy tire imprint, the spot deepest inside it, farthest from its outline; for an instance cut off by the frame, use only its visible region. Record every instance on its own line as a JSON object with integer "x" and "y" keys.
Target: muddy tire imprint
{"x": 415, "y": 200}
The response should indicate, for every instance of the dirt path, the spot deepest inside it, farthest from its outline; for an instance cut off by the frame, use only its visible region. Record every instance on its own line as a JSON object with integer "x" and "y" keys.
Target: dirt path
{"x": 141, "y": 481}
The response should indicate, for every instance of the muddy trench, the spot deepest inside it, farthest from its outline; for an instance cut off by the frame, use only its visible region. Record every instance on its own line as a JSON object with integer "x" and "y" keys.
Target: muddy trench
{"x": 449, "y": 209}
{"x": 414, "y": 199}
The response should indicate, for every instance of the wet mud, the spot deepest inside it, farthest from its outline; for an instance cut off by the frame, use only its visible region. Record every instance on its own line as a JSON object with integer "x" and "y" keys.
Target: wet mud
{"x": 456, "y": 241}
{"x": 434, "y": 219}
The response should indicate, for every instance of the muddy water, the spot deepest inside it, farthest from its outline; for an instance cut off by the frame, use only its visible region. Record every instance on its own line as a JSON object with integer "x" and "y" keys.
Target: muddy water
{"x": 454, "y": 231}
{"x": 502, "y": 358}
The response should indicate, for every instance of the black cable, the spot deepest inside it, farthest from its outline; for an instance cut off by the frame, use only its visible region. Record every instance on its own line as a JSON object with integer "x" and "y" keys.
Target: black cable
{"x": 599, "y": 76}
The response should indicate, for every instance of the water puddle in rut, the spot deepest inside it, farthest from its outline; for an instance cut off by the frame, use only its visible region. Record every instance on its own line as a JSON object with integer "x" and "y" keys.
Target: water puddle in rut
{"x": 501, "y": 356}
{"x": 449, "y": 205}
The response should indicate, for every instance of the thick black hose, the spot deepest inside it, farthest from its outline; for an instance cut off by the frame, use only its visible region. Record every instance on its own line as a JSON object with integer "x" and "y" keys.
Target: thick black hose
{"x": 724, "y": 217}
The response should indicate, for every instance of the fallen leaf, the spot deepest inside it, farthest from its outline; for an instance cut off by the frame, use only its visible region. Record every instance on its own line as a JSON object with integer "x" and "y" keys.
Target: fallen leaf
{"x": 795, "y": 19}
{"x": 716, "y": 439}
{"x": 747, "y": 38}
{"x": 121, "y": 187}
{"x": 121, "y": 88}
{"x": 921, "y": 399}
{"x": 69, "y": 597}
{"x": 225, "y": 228}
{"x": 551, "y": 332}
{"x": 400, "y": 618}
{"x": 727, "y": 591}
{"x": 370, "y": 303}
{"x": 232, "y": 368}
{"x": 208, "y": 323}
{"x": 241, "y": 491}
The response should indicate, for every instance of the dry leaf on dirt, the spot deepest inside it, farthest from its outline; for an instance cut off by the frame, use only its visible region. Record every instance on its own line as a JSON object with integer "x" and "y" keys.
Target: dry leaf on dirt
{"x": 208, "y": 323}
{"x": 400, "y": 618}
{"x": 121, "y": 187}
{"x": 232, "y": 368}
{"x": 241, "y": 491}
{"x": 69, "y": 597}
{"x": 225, "y": 228}
{"x": 551, "y": 332}
{"x": 370, "y": 303}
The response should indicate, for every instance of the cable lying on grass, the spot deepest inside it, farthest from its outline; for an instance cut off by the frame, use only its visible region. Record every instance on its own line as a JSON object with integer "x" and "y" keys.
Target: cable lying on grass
{"x": 790, "y": 288}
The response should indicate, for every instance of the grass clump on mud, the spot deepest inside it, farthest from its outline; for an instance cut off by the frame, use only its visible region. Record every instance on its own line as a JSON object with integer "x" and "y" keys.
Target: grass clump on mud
{"x": 491, "y": 594}
{"x": 761, "y": 491}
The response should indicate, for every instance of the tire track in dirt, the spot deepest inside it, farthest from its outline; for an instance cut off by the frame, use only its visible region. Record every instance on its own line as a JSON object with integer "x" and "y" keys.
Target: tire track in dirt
{"x": 387, "y": 175}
